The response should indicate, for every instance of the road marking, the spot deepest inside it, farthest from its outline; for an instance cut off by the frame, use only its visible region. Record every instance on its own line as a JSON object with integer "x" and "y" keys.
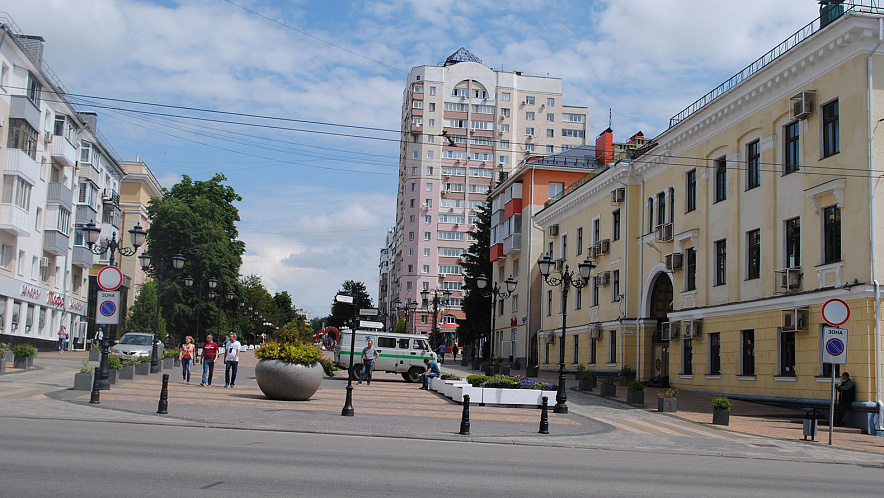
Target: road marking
{"x": 671, "y": 428}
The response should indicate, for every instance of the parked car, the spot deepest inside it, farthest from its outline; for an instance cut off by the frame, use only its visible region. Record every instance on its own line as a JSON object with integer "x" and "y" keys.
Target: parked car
{"x": 133, "y": 345}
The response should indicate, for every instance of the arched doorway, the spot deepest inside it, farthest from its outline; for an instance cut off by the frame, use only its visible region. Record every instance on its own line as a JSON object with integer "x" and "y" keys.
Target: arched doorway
{"x": 660, "y": 305}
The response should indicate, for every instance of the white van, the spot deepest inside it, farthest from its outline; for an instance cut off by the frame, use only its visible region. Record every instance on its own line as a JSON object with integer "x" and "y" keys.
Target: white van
{"x": 397, "y": 353}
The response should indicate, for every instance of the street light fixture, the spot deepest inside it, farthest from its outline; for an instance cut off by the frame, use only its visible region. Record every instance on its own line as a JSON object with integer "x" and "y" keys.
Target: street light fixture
{"x": 494, "y": 293}
{"x": 579, "y": 280}
{"x": 157, "y": 270}
{"x": 409, "y": 308}
{"x": 436, "y": 301}
{"x": 188, "y": 283}
{"x": 91, "y": 233}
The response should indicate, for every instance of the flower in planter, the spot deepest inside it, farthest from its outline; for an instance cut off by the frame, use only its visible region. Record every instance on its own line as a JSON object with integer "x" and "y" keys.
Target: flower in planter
{"x": 721, "y": 403}
{"x": 449, "y": 377}
{"x": 669, "y": 393}
{"x": 86, "y": 369}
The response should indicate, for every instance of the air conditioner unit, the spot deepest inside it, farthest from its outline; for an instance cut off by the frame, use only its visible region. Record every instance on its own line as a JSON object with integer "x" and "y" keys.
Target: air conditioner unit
{"x": 604, "y": 278}
{"x": 44, "y": 262}
{"x": 550, "y": 338}
{"x": 617, "y": 195}
{"x": 796, "y": 320}
{"x": 595, "y": 330}
{"x": 593, "y": 252}
{"x": 553, "y": 230}
{"x": 670, "y": 331}
{"x": 791, "y": 279}
{"x": 604, "y": 246}
{"x": 664, "y": 233}
{"x": 674, "y": 261}
{"x": 47, "y": 137}
{"x": 560, "y": 264}
{"x": 692, "y": 329}
{"x": 802, "y": 104}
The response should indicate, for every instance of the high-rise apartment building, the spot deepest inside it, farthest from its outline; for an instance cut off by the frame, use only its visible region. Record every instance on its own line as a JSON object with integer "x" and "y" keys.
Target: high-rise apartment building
{"x": 463, "y": 124}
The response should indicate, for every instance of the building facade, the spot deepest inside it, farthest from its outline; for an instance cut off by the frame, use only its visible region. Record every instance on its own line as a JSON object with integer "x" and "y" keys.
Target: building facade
{"x": 463, "y": 123}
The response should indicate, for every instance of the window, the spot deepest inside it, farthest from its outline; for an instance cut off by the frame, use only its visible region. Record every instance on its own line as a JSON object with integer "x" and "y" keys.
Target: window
{"x": 529, "y": 100}
{"x": 715, "y": 353}
{"x": 460, "y": 92}
{"x": 427, "y": 236}
{"x": 612, "y": 347}
{"x": 410, "y": 268}
{"x": 690, "y": 269}
{"x": 573, "y": 133}
{"x": 64, "y": 221}
{"x": 504, "y": 127}
{"x": 22, "y": 137}
{"x": 615, "y": 286}
{"x": 615, "y": 224}
{"x": 5, "y": 255}
{"x": 578, "y": 298}
{"x": 550, "y": 117}
{"x": 747, "y": 352}
{"x": 831, "y": 234}
{"x": 529, "y": 131}
{"x": 573, "y": 118}
{"x": 505, "y": 96}
{"x": 720, "y": 262}
{"x": 550, "y": 149}
{"x": 720, "y": 179}
{"x": 564, "y": 246}
{"x": 483, "y": 109}
{"x": 417, "y": 104}
{"x": 429, "y": 154}
{"x": 505, "y": 112}
{"x": 410, "y": 235}
{"x": 661, "y": 208}
{"x": 690, "y": 191}
{"x": 793, "y": 243}
{"x": 550, "y": 102}
{"x": 575, "y": 350}
{"x": 687, "y": 357}
{"x": 450, "y": 269}
{"x": 595, "y": 290}
{"x": 593, "y": 351}
{"x": 529, "y": 116}
{"x": 549, "y": 303}
{"x": 546, "y": 353}
{"x": 579, "y": 250}
{"x": 650, "y": 214}
{"x": 555, "y": 189}
{"x": 425, "y": 269}
{"x": 753, "y": 165}
{"x": 35, "y": 88}
{"x": 753, "y": 254}
{"x": 831, "y": 142}
{"x": 432, "y": 90}
{"x": 428, "y": 187}
{"x": 790, "y": 149}
{"x": 787, "y": 354}
{"x": 529, "y": 147}
{"x": 17, "y": 191}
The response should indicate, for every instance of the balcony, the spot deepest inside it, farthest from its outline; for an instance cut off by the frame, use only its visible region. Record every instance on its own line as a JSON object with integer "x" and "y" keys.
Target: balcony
{"x": 55, "y": 242}
{"x": 110, "y": 196}
{"x": 512, "y": 243}
{"x": 21, "y": 164}
{"x": 90, "y": 173}
{"x": 15, "y": 220}
{"x": 60, "y": 194}
{"x": 63, "y": 152}
{"x": 23, "y": 108}
{"x": 82, "y": 257}
{"x": 84, "y": 214}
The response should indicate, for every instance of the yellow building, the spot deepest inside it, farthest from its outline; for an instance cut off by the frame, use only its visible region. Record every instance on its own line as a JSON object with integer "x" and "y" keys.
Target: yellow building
{"x": 718, "y": 244}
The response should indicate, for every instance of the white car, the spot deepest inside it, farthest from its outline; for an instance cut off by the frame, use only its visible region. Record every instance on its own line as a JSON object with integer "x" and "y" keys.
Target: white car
{"x": 134, "y": 345}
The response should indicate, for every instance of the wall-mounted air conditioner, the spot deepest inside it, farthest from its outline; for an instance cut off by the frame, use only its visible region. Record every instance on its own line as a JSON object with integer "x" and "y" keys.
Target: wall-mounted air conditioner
{"x": 796, "y": 320}
{"x": 618, "y": 195}
{"x": 560, "y": 264}
{"x": 670, "y": 331}
{"x": 595, "y": 330}
{"x": 674, "y": 261}
{"x": 801, "y": 104}
{"x": 692, "y": 329}
{"x": 553, "y": 230}
{"x": 604, "y": 278}
{"x": 604, "y": 246}
{"x": 663, "y": 233}
{"x": 44, "y": 262}
{"x": 550, "y": 338}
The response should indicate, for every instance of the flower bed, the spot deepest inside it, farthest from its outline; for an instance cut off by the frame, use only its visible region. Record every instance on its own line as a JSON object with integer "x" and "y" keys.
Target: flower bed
{"x": 498, "y": 390}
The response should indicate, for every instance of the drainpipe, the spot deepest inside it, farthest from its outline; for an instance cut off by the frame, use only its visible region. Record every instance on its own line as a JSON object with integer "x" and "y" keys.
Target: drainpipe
{"x": 528, "y": 271}
{"x": 872, "y": 124}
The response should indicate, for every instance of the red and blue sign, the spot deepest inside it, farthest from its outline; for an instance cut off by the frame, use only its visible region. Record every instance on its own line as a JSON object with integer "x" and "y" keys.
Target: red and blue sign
{"x": 108, "y": 308}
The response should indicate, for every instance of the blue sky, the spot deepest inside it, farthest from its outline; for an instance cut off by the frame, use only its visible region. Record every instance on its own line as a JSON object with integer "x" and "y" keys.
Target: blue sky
{"x": 316, "y": 206}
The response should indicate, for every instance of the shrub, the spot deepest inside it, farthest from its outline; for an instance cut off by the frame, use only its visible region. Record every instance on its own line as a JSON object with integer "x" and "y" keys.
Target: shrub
{"x": 635, "y": 385}
{"x": 581, "y": 368}
{"x": 94, "y": 346}
{"x": 170, "y": 353}
{"x": 86, "y": 369}
{"x": 329, "y": 366}
{"x": 478, "y": 380}
{"x": 627, "y": 371}
{"x": 449, "y": 377}
{"x": 303, "y": 354}
{"x": 721, "y": 403}
{"x": 669, "y": 393}
{"x": 4, "y": 347}
{"x": 114, "y": 362}
{"x": 507, "y": 382}
{"x": 588, "y": 375}
{"x": 24, "y": 350}
{"x": 131, "y": 362}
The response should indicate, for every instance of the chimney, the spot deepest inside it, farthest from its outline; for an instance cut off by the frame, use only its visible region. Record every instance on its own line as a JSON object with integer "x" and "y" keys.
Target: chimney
{"x": 91, "y": 120}
{"x": 604, "y": 146}
{"x": 34, "y": 47}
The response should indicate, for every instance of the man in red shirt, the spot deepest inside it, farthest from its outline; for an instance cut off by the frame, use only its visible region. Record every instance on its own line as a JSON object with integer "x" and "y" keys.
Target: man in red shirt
{"x": 210, "y": 352}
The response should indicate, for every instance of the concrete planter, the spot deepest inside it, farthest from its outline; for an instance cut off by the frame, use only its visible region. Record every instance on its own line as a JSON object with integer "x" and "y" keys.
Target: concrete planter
{"x": 142, "y": 369}
{"x": 515, "y": 396}
{"x": 609, "y": 390}
{"x": 3, "y": 365}
{"x": 721, "y": 417}
{"x": 635, "y": 397}
{"x": 83, "y": 381}
{"x": 624, "y": 381}
{"x": 127, "y": 373}
{"x": 667, "y": 405}
{"x": 168, "y": 363}
{"x": 532, "y": 372}
{"x": 94, "y": 355}
{"x": 586, "y": 384}
{"x": 288, "y": 381}
{"x": 112, "y": 375}
{"x": 176, "y": 362}
{"x": 23, "y": 362}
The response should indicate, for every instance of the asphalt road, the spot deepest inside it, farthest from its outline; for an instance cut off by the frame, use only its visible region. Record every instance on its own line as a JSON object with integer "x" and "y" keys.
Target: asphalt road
{"x": 75, "y": 458}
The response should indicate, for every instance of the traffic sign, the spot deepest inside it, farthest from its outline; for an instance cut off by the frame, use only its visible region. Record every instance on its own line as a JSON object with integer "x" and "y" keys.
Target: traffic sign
{"x": 110, "y": 278}
{"x": 108, "y": 310}
{"x": 366, "y": 324}
{"x": 369, "y": 312}
{"x": 343, "y": 298}
{"x": 836, "y": 312}
{"x": 835, "y": 345}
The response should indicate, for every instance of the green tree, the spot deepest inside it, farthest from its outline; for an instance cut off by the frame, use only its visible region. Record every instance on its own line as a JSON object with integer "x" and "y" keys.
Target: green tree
{"x": 401, "y": 327}
{"x": 143, "y": 313}
{"x": 342, "y": 313}
{"x": 476, "y": 262}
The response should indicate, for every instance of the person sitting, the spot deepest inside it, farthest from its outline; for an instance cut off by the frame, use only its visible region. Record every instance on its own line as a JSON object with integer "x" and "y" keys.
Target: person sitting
{"x": 847, "y": 393}
{"x": 432, "y": 371}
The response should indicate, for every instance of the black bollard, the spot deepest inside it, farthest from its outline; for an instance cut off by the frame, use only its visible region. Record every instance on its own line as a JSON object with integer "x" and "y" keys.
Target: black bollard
{"x": 465, "y": 418}
{"x": 544, "y": 417}
{"x": 95, "y": 392}
{"x": 163, "y": 407}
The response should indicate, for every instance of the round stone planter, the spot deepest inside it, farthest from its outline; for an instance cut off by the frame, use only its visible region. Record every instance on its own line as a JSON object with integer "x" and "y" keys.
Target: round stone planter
{"x": 288, "y": 381}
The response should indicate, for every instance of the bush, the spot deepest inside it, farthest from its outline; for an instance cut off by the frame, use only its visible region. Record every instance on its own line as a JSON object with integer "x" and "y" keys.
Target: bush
{"x": 721, "y": 403}
{"x": 114, "y": 362}
{"x": 23, "y": 350}
{"x": 329, "y": 366}
{"x": 507, "y": 382}
{"x": 449, "y": 377}
{"x": 303, "y": 354}
{"x": 170, "y": 353}
{"x": 86, "y": 369}
{"x": 669, "y": 393}
{"x": 636, "y": 385}
{"x": 581, "y": 368}
{"x": 478, "y": 380}
{"x": 4, "y": 347}
{"x": 588, "y": 375}
{"x": 94, "y": 346}
{"x": 627, "y": 371}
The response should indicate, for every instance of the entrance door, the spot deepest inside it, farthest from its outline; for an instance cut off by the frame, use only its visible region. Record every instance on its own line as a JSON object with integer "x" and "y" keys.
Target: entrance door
{"x": 661, "y": 305}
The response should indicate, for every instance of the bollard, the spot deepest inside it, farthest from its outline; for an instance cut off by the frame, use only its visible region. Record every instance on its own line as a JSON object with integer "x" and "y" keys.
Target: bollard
{"x": 163, "y": 407}
{"x": 94, "y": 399}
{"x": 465, "y": 418}
{"x": 544, "y": 417}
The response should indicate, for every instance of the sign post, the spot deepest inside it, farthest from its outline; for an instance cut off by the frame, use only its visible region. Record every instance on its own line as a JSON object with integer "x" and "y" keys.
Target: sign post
{"x": 834, "y": 353}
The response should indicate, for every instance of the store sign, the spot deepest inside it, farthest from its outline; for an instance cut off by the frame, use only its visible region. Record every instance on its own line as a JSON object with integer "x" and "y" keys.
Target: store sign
{"x": 56, "y": 300}
{"x": 76, "y": 305}
{"x": 29, "y": 291}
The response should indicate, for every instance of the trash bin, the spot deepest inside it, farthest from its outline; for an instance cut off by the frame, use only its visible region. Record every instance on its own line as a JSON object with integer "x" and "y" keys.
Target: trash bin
{"x": 810, "y": 425}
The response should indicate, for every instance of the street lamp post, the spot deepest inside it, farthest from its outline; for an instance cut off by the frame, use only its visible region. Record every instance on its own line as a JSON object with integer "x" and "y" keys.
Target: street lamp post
{"x": 188, "y": 283}
{"x": 568, "y": 278}
{"x": 494, "y": 293}
{"x": 409, "y": 308}
{"x": 90, "y": 236}
{"x": 230, "y": 296}
{"x": 156, "y": 270}
{"x": 347, "y": 411}
{"x": 436, "y": 301}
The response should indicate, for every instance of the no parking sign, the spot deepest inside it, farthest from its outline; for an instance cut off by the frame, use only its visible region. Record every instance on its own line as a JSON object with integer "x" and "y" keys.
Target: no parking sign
{"x": 108, "y": 310}
{"x": 834, "y": 345}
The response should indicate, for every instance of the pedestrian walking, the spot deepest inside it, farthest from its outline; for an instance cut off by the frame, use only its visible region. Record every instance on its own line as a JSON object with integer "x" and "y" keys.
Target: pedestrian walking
{"x": 441, "y": 351}
{"x": 99, "y": 336}
{"x": 432, "y": 371}
{"x": 231, "y": 360}
{"x": 846, "y": 395}
{"x": 454, "y": 351}
{"x": 187, "y": 355}
{"x": 62, "y": 339}
{"x": 210, "y": 352}
{"x": 369, "y": 356}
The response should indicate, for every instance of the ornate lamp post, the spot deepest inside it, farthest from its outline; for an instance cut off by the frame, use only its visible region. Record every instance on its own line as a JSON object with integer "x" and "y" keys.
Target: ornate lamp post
{"x": 409, "y": 308}
{"x": 156, "y": 271}
{"x": 188, "y": 282}
{"x": 568, "y": 278}
{"x": 436, "y": 301}
{"x": 494, "y": 293}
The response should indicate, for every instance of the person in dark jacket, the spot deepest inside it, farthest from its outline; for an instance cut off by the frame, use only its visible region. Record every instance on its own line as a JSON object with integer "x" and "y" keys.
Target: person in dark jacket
{"x": 846, "y": 395}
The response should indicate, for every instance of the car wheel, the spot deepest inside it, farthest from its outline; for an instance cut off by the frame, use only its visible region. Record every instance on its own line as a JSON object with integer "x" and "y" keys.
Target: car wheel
{"x": 355, "y": 371}
{"x": 413, "y": 374}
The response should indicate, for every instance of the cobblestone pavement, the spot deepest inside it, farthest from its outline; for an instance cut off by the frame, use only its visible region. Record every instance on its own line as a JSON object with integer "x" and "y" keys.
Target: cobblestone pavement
{"x": 390, "y": 407}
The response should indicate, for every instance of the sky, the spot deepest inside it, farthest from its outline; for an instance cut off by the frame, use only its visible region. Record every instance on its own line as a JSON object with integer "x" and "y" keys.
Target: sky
{"x": 307, "y": 95}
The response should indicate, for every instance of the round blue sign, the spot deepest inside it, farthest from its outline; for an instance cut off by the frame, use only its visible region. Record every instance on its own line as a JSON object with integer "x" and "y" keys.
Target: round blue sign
{"x": 834, "y": 347}
{"x": 108, "y": 308}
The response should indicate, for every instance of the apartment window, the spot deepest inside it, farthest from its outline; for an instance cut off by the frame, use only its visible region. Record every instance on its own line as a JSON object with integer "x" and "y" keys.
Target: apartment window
{"x": 550, "y": 117}
{"x": 555, "y": 189}
{"x": 35, "y": 88}
{"x": 529, "y": 131}
{"x": 612, "y": 346}
{"x": 415, "y": 155}
{"x": 425, "y": 269}
{"x": 690, "y": 191}
{"x": 63, "y": 223}
{"x": 428, "y": 187}
{"x": 550, "y": 149}
{"x": 460, "y": 92}
{"x": 417, "y": 104}
{"x": 615, "y": 286}
{"x": 505, "y": 112}
{"x": 505, "y": 96}
{"x": 720, "y": 262}
{"x": 529, "y": 100}
{"x": 661, "y": 208}
{"x": 22, "y": 137}
{"x": 720, "y": 179}
{"x": 595, "y": 290}
{"x": 410, "y": 268}
{"x": 596, "y": 230}
{"x": 505, "y": 144}
{"x": 564, "y": 246}
{"x": 432, "y": 107}
{"x": 831, "y": 234}
{"x": 17, "y": 191}
{"x": 578, "y": 298}
{"x": 411, "y": 202}
{"x": 787, "y": 354}
{"x": 5, "y": 255}
{"x": 650, "y": 214}
{"x": 753, "y": 165}
{"x": 690, "y": 269}
{"x": 831, "y": 142}
{"x": 747, "y": 352}
{"x": 793, "y": 243}
{"x": 550, "y": 133}
{"x": 515, "y": 268}
{"x": 579, "y": 250}
{"x": 687, "y": 357}
{"x": 549, "y": 303}
{"x": 429, "y": 154}
{"x": 550, "y": 102}
{"x": 753, "y": 254}
{"x": 427, "y": 236}
{"x": 790, "y": 149}
{"x": 529, "y": 116}
{"x": 504, "y": 127}
{"x": 575, "y": 349}
{"x": 593, "y": 351}
{"x": 432, "y": 90}
{"x": 715, "y": 353}
{"x": 428, "y": 219}
{"x": 427, "y": 252}
{"x": 410, "y": 235}
{"x": 615, "y": 225}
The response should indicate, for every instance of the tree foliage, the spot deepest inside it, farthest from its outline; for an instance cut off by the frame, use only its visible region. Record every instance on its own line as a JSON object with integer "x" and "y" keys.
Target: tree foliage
{"x": 476, "y": 262}
{"x": 342, "y": 313}
{"x": 143, "y": 313}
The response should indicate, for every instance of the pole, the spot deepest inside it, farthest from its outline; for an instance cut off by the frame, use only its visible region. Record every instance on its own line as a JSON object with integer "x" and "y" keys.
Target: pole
{"x": 832, "y": 407}
{"x": 347, "y": 411}
{"x": 561, "y": 395}
{"x": 489, "y": 370}
{"x": 103, "y": 382}
{"x": 154, "y": 361}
